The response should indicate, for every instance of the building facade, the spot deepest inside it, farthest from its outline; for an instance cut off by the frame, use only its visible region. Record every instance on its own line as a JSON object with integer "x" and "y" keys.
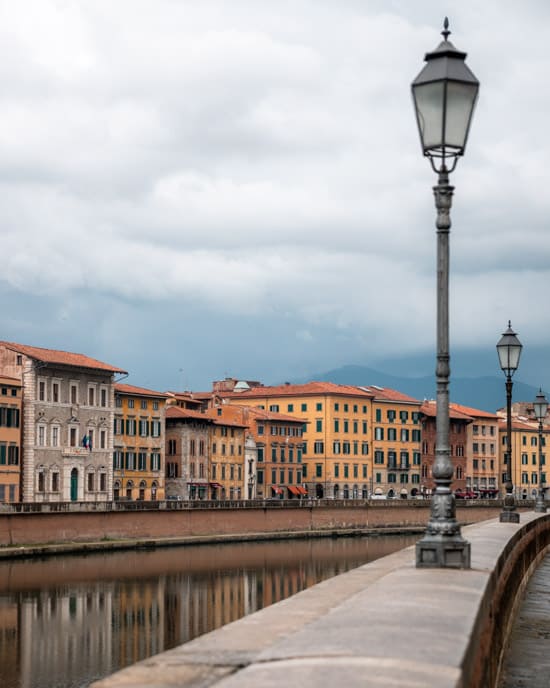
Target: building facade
{"x": 276, "y": 470}
{"x": 68, "y": 414}
{"x": 525, "y": 456}
{"x": 138, "y": 452}
{"x": 10, "y": 439}
{"x": 396, "y": 444}
{"x": 458, "y": 423}
{"x": 336, "y": 457}
{"x": 482, "y": 455}
{"x": 188, "y": 436}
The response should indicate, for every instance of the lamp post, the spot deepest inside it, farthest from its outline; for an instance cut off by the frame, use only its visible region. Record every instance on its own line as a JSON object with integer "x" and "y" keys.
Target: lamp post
{"x": 444, "y": 95}
{"x": 540, "y": 406}
{"x": 509, "y": 351}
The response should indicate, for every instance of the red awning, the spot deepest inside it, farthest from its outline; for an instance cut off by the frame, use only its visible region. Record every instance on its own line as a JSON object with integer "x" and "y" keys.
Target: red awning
{"x": 294, "y": 490}
{"x": 302, "y": 490}
{"x": 277, "y": 490}
{"x": 215, "y": 485}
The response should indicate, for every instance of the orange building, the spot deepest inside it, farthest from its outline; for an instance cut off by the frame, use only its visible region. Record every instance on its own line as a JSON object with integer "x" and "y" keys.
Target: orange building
{"x": 138, "y": 455}
{"x": 482, "y": 460}
{"x": 277, "y": 470}
{"x": 10, "y": 439}
{"x": 336, "y": 458}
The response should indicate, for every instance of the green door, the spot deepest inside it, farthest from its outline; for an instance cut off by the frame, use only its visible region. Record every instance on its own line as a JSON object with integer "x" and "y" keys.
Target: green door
{"x": 74, "y": 485}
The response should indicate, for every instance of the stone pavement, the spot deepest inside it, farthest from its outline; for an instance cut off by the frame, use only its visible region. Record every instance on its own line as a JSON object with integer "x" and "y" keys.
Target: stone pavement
{"x": 527, "y": 658}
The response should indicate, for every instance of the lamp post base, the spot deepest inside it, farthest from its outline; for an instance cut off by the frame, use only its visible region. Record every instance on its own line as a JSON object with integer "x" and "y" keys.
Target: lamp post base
{"x": 509, "y": 517}
{"x": 442, "y": 552}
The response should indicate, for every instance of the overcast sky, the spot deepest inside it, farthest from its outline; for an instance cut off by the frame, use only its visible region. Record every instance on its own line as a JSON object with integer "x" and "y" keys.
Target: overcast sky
{"x": 193, "y": 189}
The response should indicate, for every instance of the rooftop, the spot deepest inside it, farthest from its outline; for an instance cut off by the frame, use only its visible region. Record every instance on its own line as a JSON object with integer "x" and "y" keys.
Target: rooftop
{"x": 308, "y": 389}
{"x": 138, "y": 391}
{"x": 65, "y": 358}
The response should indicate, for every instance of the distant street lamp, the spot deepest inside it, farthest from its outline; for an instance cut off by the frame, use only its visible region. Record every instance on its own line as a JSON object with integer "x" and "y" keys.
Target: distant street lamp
{"x": 541, "y": 407}
{"x": 509, "y": 351}
{"x": 444, "y": 95}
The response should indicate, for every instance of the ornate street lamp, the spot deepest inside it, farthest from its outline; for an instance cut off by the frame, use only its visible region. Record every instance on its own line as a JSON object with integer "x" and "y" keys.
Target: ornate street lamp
{"x": 509, "y": 351}
{"x": 444, "y": 94}
{"x": 540, "y": 406}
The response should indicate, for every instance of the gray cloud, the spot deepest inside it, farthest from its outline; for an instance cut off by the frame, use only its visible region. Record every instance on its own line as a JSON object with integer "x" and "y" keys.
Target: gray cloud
{"x": 260, "y": 160}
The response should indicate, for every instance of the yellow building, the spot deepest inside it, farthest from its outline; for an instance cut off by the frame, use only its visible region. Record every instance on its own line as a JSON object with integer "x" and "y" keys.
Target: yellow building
{"x": 10, "y": 439}
{"x": 227, "y": 464}
{"x": 525, "y": 456}
{"x": 396, "y": 443}
{"x": 138, "y": 456}
{"x": 336, "y": 456}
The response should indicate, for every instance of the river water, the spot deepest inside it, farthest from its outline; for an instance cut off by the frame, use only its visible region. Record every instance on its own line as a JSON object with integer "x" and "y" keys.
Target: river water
{"x": 66, "y": 621}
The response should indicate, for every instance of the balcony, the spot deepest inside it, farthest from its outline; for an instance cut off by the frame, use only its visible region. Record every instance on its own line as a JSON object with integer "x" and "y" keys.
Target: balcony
{"x": 75, "y": 451}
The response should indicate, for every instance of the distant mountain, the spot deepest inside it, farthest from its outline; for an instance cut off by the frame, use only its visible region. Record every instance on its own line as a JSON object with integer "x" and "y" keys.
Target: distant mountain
{"x": 486, "y": 393}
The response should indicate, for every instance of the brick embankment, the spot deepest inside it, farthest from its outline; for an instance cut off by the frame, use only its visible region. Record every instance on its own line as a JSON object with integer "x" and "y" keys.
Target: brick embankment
{"x": 125, "y": 528}
{"x": 383, "y": 624}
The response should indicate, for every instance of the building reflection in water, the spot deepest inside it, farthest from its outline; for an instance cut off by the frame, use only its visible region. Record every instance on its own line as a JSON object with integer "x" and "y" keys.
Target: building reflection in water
{"x": 67, "y": 621}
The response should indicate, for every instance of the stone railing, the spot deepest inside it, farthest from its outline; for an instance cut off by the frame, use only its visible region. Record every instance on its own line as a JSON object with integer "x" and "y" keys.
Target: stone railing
{"x": 382, "y": 624}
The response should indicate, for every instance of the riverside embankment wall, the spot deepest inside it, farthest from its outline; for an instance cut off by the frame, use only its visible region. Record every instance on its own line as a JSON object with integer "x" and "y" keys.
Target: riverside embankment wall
{"x": 179, "y": 521}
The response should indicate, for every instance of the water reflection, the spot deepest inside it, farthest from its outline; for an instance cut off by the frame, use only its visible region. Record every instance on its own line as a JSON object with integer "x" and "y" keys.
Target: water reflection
{"x": 67, "y": 621}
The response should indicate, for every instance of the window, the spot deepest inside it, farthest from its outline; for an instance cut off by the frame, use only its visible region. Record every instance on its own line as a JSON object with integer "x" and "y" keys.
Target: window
{"x": 274, "y": 407}
{"x": 143, "y": 428}
{"x": 392, "y": 434}
{"x": 91, "y": 396}
{"x": 378, "y": 415}
{"x": 390, "y": 414}
{"x": 364, "y": 448}
{"x": 55, "y": 482}
{"x": 118, "y": 402}
{"x": 130, "y": 403}
{"x": 103, "y": 482}
{"x": 318, "y": 406}
{"x": 378, "y": 433}
{"x": 403, "y": 416}
{"x": 260, "y": 454}
{"x": 131, "y": 460}
{"x": 415, "y": 435}
{"x": 355, "y": 470}
{"x": 90, "y": 482}
{"x": 41, "y": 390}
{"x": 290, "y": 407}
{"x": 73, "y": 392}
{"x": 336, "y": 406}
{"x": 304, "y": 407}
{"x": 55, "y": 392}
{"x": 155, "y": 406}
{"x": 103, "y": 397}
{"x": 142, "y": 404}
{"x": 336, "y": 470}
{"x": 364, "y": 466}
{"x": 364, "y": 427}
{"x": 391, "y": 478}
{"x": 319, "y": 470}
{"x": 260, "y": 429}
{"x": 55, "y": 436}
{"x": 155, "y": 428}
{"x": 73, "y": 441}
{"x": 318, "y": 447}
{"x": 41, "y": 435}
{"x": 336, "y": 425}
{"x": 346, "y": 426}
{"x": 319, "y": 425}
{"x": 155, "y": 461}
{"x": 41, "y": 481}
{"x": 404, "y": 435}
{"x": 142, "y": 460}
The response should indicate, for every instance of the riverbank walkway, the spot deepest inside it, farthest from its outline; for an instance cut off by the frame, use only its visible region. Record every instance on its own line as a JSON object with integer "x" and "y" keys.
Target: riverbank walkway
{"x": 386, "y": 623}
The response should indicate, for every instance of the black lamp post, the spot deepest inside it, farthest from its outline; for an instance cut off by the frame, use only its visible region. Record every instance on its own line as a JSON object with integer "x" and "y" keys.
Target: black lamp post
{"x": 540, "y": 406}
{"x": 509, "y": 351}
{"x": 444, "y": 94}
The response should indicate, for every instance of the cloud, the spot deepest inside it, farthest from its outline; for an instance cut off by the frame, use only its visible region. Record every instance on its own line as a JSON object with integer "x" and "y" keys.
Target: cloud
{"x": 261, "y": 161}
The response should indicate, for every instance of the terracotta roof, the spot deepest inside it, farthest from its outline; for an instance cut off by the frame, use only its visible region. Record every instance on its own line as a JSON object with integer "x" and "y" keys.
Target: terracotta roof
{"x": 309, "y": 388}
{"x": 243, "y": 413}
{"x": 60, "y": 357}
{"x": 177, "y": 413}
{"x": 428, "y": 408}
{"x": 387, "y": 394}
{"x": 138, "y": 391}
{"x": 474, "y": 412}
{"x": 519, "y": 424}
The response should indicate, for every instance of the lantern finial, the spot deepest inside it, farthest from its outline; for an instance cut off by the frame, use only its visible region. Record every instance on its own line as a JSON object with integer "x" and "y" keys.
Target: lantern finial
{"x": 445, "y": 33}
